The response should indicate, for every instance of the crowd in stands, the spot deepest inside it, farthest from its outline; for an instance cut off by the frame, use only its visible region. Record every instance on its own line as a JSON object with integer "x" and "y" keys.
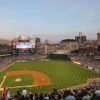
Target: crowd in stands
{"x": 88, "y": 62}
{"x": 25, "y": 57}
{"x": 90, "y": 92}
{"x": 5, "y": 60}
{"x": 91, "y": 62}
{"x": 30, "y": 57}
{"x": 4, "y": 47}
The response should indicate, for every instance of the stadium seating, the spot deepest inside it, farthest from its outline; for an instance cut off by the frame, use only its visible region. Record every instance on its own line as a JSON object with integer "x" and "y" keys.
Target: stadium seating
{"x": 90, "y": 92}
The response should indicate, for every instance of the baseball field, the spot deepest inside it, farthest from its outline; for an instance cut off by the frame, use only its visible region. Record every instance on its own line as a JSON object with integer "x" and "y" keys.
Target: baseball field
{"x": 41, "y": 76}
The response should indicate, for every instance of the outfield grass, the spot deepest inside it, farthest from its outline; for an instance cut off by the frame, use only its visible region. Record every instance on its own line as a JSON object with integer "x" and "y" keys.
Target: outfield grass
{"x": 62, "y": 74}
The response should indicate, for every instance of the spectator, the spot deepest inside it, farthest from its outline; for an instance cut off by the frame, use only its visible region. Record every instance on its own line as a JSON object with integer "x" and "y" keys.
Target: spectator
{"x": 30, "y": 96}
{"x": 46, "y": 97}
{"x": 86, "y": 96}
{"x": 8, "y": 94}
{"x": 4, "y": 94}
{"x": 70, "y": 96}
{"x": 24, "y": 93}
{"x": 96, "y": 95}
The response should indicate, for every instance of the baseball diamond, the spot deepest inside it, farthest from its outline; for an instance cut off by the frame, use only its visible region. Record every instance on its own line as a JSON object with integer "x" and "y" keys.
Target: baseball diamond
{"x": 47, "y": 75}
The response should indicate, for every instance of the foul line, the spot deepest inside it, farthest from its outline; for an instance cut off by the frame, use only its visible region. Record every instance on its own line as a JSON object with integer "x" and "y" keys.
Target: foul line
{"x": 84, "y": 84}
{"x": 21, "y": 86}
{"x": 36, "y": 85}
{"x": 2, "y": 81}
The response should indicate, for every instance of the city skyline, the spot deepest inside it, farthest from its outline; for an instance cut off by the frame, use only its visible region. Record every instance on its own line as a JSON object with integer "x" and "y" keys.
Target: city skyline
{"x": 49, "y": 19}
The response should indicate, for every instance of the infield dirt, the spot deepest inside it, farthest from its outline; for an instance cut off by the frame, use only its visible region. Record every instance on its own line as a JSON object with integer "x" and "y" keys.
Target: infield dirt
{"x": 39, "y": 77}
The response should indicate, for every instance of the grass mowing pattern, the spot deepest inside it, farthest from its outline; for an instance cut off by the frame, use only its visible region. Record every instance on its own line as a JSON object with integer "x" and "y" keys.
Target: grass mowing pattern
{"x": 62, "y": 74}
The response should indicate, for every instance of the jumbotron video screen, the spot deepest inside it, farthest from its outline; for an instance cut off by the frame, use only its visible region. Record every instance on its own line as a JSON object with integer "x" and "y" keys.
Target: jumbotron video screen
{"x": 25, "y": 46}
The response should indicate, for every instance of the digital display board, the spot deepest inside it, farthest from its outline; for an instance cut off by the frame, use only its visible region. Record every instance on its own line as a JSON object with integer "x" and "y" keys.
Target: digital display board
{"x": 22, "y": 45}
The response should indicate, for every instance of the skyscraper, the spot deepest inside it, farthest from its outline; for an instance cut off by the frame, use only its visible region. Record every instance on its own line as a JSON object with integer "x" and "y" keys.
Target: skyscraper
{"x": 81, "y": 38}
{"x": 98, "y": 37}
{"x": 98, "y": 41}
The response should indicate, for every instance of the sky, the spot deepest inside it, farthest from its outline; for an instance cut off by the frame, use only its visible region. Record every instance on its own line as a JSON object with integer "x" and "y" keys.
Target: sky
{"x": 49, "y": 19}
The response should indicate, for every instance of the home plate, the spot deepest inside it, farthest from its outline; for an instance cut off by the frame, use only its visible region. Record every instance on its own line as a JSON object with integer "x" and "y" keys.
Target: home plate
{"x": 18, "y": 80}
